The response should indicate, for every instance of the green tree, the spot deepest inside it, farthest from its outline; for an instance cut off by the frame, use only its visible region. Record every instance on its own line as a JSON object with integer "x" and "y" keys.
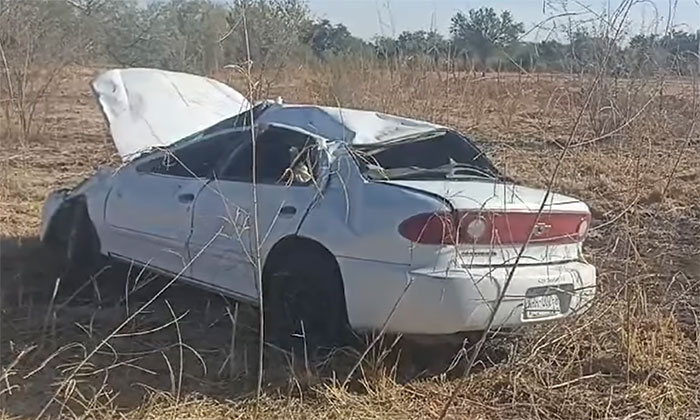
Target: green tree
{"x": 272, "y": 28}
{"x": 482, "y": 31}
{"x": 177, "y": 35}
{"x": 385, "y": 47}
{"x": 551, "y": 55}
{"x": 587, "y": 49}
{"x": 326, "y": 39}
{"x": 421, "y": 43}
{"x": 683, "y": 50}
{"x": 645, "y": 54}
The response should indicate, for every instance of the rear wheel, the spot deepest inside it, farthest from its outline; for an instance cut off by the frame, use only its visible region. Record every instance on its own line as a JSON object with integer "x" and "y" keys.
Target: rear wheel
{"x": 304, "y": 304}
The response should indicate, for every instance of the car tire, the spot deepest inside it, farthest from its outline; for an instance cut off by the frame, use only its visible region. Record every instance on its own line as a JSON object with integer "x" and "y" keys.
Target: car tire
{"x": 80, "y": 253}
{"x": 304, "y": 304}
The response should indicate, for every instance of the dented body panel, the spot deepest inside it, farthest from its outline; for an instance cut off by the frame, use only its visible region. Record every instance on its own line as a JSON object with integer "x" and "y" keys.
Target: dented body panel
{"x": 416, "y": 289}
{"x": 93, "y": 192}
{"x": 147, "y": 108}
{"x": 196, "y": 219}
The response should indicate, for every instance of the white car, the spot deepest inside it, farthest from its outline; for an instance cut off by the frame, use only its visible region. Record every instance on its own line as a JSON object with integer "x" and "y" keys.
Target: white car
{"x": 358, "y": 220}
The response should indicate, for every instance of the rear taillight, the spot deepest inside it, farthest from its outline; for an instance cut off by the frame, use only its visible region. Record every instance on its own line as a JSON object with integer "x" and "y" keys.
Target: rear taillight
{"x": 495, "y": 228}
{"x": 429, "y": 228}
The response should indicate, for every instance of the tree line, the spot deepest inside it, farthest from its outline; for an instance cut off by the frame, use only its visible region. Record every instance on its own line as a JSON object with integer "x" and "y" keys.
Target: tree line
{"x": 482, "y": 39}
{"x": 203, "y": 35}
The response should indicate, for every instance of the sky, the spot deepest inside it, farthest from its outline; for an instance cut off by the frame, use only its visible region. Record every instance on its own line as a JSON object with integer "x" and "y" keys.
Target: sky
{"x": 368, "y": 18}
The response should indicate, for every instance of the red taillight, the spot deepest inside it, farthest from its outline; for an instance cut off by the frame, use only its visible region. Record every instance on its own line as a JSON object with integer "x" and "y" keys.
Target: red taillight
{"x": 495, "y": 228}
{"x": 429, "y": 228}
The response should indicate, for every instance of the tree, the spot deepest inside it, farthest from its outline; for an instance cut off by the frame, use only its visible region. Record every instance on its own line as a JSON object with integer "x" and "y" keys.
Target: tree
{"x": 645, "y": 54}
{"x": 482, "y": 31}
{"x": 588, "y": 49}
{"x": 272, "y": 28}
{"x": 420, "y": 43}
{"x": 551, "y": 54}
{"x": 683, "y": 49}
{"x": 38, "y": 39}
{"x": 326, "y": 39}
{"x": 385, "y": 47}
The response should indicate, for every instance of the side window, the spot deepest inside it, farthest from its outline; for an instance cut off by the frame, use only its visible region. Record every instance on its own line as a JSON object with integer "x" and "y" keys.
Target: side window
{"x": 195, "y": 160}
{"x": 283, "y": 157}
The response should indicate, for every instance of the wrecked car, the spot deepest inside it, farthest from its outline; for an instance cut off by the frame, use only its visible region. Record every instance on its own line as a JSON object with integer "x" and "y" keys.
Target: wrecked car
{"x": 353, "y": 220}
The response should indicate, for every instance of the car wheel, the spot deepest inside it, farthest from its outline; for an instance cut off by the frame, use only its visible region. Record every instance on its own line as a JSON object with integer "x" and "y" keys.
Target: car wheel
{"x": 81, "y": 256}
{"x": 304, "y": 304}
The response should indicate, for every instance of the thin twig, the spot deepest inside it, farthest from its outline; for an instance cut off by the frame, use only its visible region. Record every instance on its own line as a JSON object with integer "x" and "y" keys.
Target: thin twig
{"x": 477, "y": 348}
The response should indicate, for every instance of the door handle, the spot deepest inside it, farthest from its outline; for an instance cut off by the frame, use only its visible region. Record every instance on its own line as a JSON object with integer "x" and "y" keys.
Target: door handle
{"x": 185, "y": 198}
{"x": 288, "y": 211}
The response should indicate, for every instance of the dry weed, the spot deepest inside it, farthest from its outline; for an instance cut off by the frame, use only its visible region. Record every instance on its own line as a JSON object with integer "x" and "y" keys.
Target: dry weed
{"x": 634, "y": 355}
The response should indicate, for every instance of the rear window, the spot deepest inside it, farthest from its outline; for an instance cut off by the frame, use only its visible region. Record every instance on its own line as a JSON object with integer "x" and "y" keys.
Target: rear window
{"x": 436, "y": 155}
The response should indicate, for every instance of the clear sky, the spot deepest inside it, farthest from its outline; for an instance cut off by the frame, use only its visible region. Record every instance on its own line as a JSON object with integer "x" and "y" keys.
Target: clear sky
{"x": 367, "y": 18}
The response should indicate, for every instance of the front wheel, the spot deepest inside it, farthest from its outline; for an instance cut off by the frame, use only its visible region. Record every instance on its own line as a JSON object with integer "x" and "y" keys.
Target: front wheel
{"x": 73, "y": 240}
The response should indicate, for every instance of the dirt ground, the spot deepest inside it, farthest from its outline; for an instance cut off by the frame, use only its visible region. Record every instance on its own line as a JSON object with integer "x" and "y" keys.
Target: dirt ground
{"x": 634, "y": 157}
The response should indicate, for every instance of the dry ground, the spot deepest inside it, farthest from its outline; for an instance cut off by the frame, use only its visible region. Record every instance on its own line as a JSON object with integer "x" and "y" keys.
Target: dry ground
{"x": 636, "y": 354}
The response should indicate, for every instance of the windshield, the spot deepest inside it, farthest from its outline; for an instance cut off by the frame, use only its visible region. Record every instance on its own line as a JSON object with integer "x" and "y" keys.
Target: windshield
{"x": 436, "y": 155}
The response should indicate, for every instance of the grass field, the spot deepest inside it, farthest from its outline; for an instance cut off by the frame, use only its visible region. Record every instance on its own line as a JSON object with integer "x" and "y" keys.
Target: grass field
{"x": 634, "y": 157}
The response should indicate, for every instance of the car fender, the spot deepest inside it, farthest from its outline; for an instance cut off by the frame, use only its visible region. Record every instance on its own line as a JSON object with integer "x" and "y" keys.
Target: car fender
{"x": 93, "y": 192}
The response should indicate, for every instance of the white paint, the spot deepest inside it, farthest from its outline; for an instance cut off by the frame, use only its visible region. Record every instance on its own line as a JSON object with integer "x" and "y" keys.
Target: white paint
{"x": 148, "y": 108}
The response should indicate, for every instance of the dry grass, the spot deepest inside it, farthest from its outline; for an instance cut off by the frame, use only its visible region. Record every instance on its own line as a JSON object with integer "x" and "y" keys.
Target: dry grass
{"x": 635, "y": 355}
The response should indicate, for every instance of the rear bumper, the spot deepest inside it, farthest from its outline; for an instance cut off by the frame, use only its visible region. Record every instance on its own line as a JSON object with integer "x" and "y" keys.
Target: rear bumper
{"x": 426, "y": 301}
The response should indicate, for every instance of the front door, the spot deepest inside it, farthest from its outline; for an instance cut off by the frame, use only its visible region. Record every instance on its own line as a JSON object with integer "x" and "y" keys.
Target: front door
{"x": 151, "y": 204}
{"x": 149, "y": 213}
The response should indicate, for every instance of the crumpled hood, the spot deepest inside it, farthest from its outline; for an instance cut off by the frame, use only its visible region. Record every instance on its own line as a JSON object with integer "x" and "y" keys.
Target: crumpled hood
{"x": 148, "y": 108}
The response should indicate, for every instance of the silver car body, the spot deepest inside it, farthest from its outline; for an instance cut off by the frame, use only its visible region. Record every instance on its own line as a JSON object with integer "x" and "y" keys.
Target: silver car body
{"x": 200, "y": 227}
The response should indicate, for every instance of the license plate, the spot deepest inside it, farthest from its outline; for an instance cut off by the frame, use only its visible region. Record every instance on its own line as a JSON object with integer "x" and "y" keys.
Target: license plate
{"x": 542, "y": 306}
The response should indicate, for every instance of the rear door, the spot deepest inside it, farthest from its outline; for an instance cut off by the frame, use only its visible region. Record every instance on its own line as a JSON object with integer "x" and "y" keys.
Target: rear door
{"x": 224, "y": 245}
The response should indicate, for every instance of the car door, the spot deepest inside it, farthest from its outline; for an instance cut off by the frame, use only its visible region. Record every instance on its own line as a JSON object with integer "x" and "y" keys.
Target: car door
{"x": 224, "y": 240}
{"x": 149, "y": 209}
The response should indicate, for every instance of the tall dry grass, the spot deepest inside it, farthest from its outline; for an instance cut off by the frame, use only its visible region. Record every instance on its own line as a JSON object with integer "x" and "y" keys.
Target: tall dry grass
{"x": 636, "y": 354}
